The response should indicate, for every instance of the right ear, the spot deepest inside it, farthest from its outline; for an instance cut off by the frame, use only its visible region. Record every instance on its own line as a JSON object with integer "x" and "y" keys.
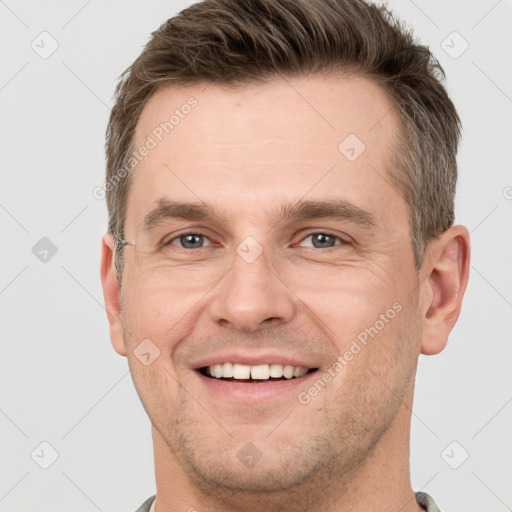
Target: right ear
{"x": 112, "y": 293}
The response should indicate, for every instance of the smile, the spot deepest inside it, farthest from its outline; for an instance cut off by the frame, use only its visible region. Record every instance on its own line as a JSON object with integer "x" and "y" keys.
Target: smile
{"x": 261, "y": 372}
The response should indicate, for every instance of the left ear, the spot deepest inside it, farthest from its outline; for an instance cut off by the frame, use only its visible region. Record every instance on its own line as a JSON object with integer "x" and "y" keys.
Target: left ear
{"x": 443, "y": 289}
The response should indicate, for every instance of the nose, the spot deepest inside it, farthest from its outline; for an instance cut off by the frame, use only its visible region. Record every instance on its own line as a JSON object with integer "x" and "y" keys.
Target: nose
{"x": 252, "y": 296}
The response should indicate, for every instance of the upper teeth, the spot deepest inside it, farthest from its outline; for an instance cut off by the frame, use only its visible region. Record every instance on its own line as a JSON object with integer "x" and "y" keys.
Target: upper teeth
{"x": 260, "y": 371}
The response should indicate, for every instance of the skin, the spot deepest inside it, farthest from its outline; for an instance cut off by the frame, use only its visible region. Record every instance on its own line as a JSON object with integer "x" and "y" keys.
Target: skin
{"x": 246, "y": 150}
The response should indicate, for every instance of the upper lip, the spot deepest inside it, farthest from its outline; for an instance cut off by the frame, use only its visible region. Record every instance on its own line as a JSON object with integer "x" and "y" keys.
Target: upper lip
{"x": 252, "y": 359}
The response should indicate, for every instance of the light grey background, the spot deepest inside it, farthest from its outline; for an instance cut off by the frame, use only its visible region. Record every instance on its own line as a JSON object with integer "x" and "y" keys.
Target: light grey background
{"x": 61, "y": 381}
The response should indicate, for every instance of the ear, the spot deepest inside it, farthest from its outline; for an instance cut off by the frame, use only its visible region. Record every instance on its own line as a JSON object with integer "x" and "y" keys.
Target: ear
{"x": 443, "y": 290}
{"x": 112, "y": 293}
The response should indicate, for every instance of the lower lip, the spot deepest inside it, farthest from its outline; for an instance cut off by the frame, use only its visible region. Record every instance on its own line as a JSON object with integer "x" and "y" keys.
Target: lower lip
{"x": 254, "y": 391}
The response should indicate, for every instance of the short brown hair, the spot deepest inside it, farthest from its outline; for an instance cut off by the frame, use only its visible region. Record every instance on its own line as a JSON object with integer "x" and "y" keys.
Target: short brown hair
{"x": 233, "y": 42}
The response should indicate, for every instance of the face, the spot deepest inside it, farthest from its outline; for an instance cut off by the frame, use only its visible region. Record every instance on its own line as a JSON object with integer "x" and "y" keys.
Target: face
{"x": 301, "y": 258}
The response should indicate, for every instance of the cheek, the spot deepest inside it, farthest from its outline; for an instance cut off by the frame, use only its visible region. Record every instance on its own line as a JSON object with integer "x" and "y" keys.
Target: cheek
{"x": 380, "y": 362}
{"x": 392, "y": 349}
{"x": 157, "y": 388}
{"x": 151, "y": 311}
{"x": 373, "y": 323}
{"x": 351, "y": 300}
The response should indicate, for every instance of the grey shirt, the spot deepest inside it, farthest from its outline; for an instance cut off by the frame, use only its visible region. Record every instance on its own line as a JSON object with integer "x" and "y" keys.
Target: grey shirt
{"x": 421, "y": 497}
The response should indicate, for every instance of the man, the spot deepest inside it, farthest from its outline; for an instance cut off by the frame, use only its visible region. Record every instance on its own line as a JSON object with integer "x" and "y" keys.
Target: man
{"x": 281, "y": 248}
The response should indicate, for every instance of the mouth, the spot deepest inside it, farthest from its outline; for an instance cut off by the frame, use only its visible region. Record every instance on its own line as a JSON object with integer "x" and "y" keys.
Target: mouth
{"x": 261, "y": 373}
{"x": 242, "y": 378}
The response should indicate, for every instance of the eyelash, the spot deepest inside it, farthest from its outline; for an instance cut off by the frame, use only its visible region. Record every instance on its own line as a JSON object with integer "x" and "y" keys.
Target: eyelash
{"x": 328, "y": 233}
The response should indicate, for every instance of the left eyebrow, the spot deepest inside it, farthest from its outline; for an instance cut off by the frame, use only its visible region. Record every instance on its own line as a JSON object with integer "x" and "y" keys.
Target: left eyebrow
{"x": 337, "y": 209}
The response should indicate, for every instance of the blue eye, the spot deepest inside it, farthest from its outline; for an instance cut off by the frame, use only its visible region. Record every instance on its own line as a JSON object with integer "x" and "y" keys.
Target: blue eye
{"x": 324, "y": 240}
{"x": 190, "y": 240}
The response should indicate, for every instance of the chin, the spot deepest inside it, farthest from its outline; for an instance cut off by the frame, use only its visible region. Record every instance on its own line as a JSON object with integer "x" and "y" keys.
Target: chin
{"x": 252, "y": 463}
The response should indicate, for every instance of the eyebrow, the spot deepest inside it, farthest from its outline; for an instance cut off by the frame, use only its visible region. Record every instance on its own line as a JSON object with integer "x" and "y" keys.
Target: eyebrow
{"x": 336, "y": 209}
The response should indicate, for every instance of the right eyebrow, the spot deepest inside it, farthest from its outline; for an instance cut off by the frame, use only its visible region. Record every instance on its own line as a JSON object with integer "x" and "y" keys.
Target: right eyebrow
{"x": 167, "y": 209}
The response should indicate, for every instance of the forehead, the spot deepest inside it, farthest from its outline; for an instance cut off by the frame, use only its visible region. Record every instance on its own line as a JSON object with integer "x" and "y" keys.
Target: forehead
{"x": 246, "y": 146}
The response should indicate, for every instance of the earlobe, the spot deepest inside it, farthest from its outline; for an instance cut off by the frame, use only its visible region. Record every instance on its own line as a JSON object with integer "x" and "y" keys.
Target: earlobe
{"x": 444, "y": 288}
{"x": 112, "y": 293}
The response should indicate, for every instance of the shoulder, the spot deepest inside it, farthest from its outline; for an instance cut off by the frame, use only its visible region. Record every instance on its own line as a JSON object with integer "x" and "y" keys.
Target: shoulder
{"x": 426, "y": 502}
{"x": 146, "y": 506}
